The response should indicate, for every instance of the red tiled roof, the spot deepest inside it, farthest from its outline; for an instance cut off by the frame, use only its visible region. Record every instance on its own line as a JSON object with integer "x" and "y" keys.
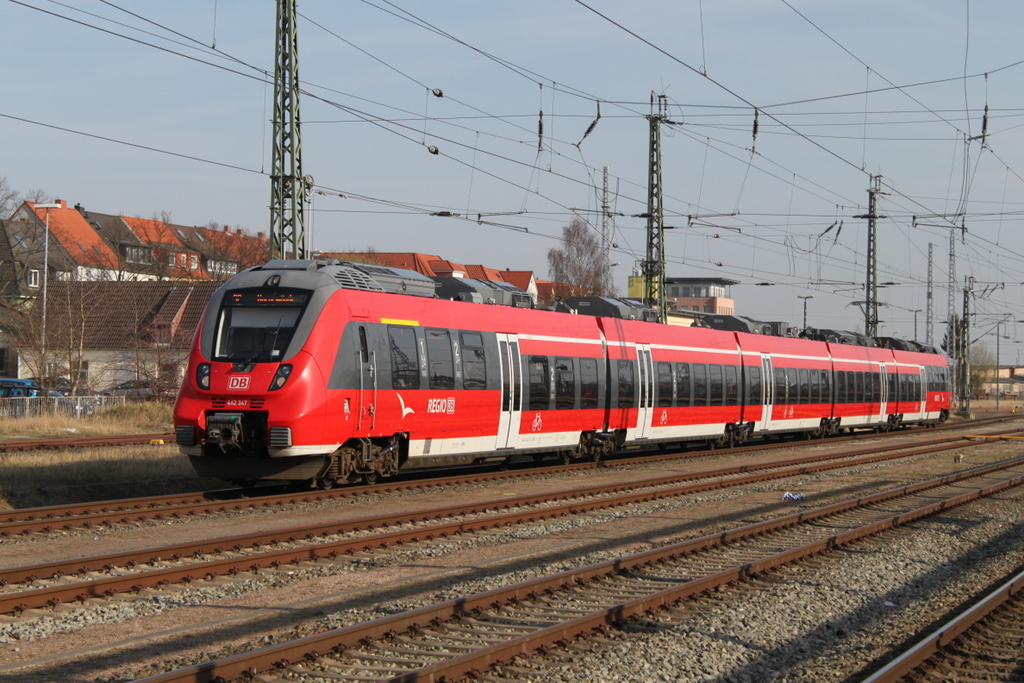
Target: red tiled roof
{"x": 151, "y": 231}
{"x": 248, "y": 250}
{"x": 429, "y": 264}
{"x": 79, "y": 239}
{"x": 519, "y": 278}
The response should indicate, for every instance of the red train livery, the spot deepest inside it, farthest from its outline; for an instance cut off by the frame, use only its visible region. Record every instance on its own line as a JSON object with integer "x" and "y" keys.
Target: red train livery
{"x": 306, "y": 370}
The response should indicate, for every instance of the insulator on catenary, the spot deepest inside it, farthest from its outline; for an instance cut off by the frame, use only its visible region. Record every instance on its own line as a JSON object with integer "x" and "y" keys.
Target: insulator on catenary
{"x": 437, "y": 92}
{"x": 540, "y": 132}
{"x": 433, "y": 150}
{"x": 592, "y": 126}
{"x": 984, "y": 123}
{"x": 754, "y": 142}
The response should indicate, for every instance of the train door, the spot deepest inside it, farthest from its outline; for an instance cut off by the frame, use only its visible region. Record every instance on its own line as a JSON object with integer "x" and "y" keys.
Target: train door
{"x": 767, "y": 392}
{"x": 511, "y": 391}
{"x": 367, "y": 415}
{"x": 645, "y": 395}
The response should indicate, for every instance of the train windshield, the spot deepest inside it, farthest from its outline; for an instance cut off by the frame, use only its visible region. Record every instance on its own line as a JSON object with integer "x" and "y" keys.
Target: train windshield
{"x": 257, "y": 326}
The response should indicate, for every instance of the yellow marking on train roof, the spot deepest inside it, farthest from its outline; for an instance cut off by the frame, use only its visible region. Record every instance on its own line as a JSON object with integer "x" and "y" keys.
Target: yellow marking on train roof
{"x": 396, "y": 321}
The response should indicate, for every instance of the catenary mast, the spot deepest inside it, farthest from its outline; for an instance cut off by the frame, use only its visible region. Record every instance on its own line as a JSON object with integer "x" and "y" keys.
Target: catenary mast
{"x": 287, "y": 184}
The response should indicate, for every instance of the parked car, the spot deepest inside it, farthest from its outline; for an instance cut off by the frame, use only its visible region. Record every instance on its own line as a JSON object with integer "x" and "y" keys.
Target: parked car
{"x": 13, "y": 388}
{"x": 63, "y": 385}
{"x": 138, "y": 390}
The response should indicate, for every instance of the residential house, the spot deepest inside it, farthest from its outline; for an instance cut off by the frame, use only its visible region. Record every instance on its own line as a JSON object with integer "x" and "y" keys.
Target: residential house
{"x": 40, "y": 247}
{"x": 435, "y": 266}
{"x": 104, "y": 332}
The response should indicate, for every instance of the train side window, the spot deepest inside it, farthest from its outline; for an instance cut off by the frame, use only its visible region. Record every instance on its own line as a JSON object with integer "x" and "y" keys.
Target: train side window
{"x": 588, "y": 383}
{"x": 506, "y": 386}
{"x": 700, "y": 384}
{"x": 627, "y": 389}
{"x": 893, "y": 396}
{"x": 792, "y": 380}
{"x": 840, "y": 386}
{"x": 683, "y": 385}
{"x": 803, "y": 376}
{"x": 732, "y": 387}
{"x": 826, "y": 390}
{"x": 540, "y": 392}
{"x": 716, "y": 385}
{"x": 780, "y": 386}
{"x": 565, "y": 384}
{"x": 474, "y": 362}
{"x": 404, "y": 361}
{"x": 439, "y": 359}
{"x": 364, "y": 354}
{"x": 517, "y": 377}
{"x": 666, "y": 387}
{"x": 754, "y": 384}
{"x": 815, "y": 394}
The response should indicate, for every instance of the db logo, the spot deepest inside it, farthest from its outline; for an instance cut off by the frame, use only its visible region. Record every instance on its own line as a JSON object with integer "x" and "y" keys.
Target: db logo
{"x": 238, "y": 382}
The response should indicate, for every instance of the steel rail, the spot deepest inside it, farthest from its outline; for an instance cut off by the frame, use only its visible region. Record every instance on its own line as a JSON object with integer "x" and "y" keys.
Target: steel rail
{"x": 775, "y": 469}
{"x": 17, "y": 602}
{"x": 55, "y": 518}
{"x": 945, "y": 635}
{"x": 85, "y": 442}
{"x": 473, "y": 663}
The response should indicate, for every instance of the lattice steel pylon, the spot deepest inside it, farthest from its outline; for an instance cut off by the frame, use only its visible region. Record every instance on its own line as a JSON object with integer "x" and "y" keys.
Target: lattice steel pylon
{"x": 654, "y": 264}
{"x": 287, "y": 184}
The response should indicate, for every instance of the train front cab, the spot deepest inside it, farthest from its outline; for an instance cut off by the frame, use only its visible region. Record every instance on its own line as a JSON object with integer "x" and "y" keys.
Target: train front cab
{"x": 252, "y": 405}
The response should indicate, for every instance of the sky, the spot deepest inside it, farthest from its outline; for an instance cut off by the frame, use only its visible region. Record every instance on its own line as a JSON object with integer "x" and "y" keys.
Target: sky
{"x": 145, "y": 107}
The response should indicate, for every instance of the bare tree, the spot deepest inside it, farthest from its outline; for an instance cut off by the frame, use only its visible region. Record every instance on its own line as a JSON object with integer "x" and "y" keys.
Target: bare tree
{"x": 580, "y": 262}
{"x": 9, "y": 200}
{"x": 37, "y": 195}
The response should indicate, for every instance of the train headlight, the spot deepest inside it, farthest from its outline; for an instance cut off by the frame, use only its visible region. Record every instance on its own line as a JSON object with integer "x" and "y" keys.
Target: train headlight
{"x": 203, "y": 375}
{"x": 282, "y": 375}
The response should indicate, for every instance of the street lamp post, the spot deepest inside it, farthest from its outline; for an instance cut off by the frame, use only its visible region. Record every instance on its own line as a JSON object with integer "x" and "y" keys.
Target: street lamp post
{"x": 805, "y": 298}
{"x": 46, "y": 269}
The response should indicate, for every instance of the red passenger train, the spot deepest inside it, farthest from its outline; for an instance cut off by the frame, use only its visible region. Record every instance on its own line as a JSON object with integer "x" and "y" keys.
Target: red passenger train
{"x": 309, "y": 370}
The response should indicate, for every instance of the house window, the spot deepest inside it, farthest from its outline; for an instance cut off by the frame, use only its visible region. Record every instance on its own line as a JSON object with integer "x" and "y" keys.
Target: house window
{"x": 183, "y": 260}
{"x": 194, "y": 262}
{"x": 170, "y": 260}
{"x": 33, "y": 278}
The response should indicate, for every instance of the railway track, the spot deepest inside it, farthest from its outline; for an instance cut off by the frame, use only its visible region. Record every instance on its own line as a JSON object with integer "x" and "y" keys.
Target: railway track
{"x": 79, "y": 580}
{"x": 86, "y": 442}
{"x": 982, "y": 644}
{"x": 469, "y": 636}
{"x": 57, "y": 518}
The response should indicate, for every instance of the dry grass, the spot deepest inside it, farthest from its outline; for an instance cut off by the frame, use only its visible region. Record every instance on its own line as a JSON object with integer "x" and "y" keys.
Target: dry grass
{"x": 131, "y": 418}
{"x": 37, "y": 478}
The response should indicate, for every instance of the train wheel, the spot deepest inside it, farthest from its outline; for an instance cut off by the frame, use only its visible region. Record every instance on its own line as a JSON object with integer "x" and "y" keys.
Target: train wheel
{"x": 371, "y": 478}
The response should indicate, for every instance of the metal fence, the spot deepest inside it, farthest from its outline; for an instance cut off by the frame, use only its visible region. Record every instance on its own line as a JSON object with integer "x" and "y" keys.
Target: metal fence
{"x": 71, "y": 406}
